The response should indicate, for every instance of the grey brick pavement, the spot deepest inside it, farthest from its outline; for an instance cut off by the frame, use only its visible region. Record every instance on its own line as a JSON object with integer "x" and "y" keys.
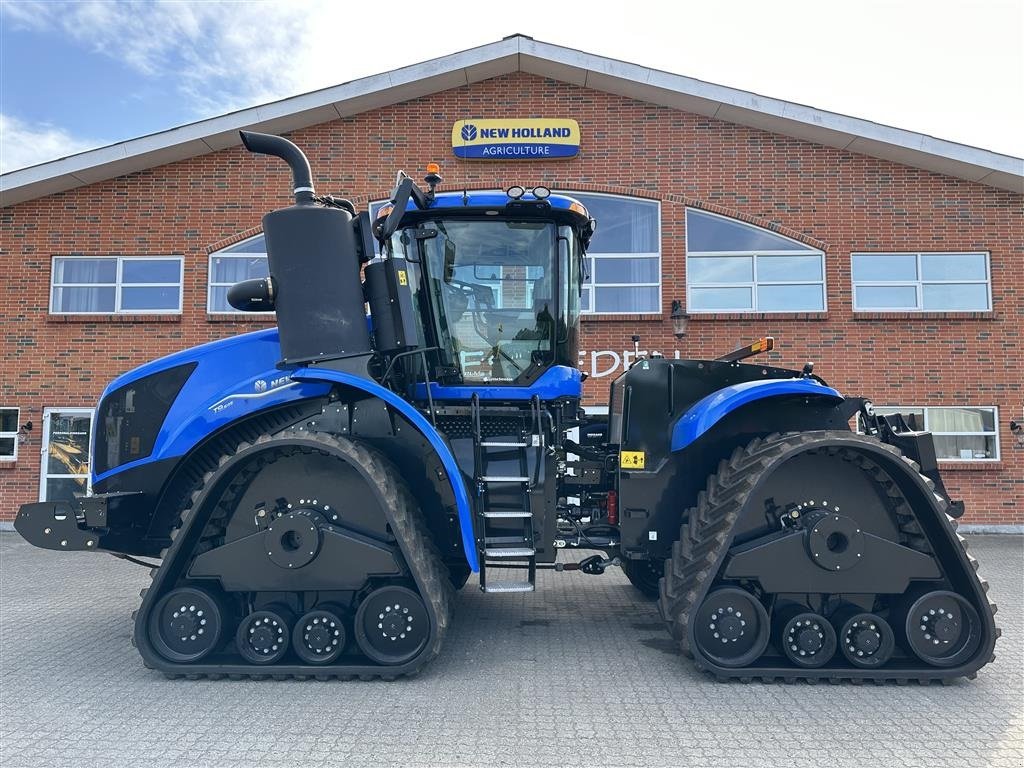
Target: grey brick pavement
{"x": 579, "y": 673}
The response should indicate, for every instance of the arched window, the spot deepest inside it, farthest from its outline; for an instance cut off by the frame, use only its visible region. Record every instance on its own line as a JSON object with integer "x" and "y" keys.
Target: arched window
{"x": 732, "y": 266}
{"x": 242, "y": 261}
{"x": 624, "y": 256}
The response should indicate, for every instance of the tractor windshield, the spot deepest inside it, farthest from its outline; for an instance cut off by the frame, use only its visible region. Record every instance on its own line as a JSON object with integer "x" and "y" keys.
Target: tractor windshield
{"x": 492, "y": 287}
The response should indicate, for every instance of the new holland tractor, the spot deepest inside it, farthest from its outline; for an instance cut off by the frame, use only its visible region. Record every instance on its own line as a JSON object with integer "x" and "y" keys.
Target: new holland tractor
{"x": 316, "y": 493}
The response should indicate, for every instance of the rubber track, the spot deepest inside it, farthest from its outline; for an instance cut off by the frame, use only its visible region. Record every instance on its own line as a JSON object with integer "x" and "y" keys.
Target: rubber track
{"x": 707, "y": 533}
{"x": 407, "y": 523}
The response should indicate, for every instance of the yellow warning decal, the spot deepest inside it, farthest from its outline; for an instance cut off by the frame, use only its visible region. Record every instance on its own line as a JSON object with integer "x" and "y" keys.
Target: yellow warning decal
{"x": 631, "y": 459}
{"x": 402, "y": 279}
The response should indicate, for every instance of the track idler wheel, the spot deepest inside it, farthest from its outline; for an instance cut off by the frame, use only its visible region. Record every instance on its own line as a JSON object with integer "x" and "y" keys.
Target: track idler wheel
{"x": 392, "y": 625}
{"x": 867, "y": 640}
{"x": 731, "y": 627}
{"x": 943, "y": 629}
{"x": 186, "y": 624}
{"x": 807, "y": 639}
{"x": 319, "y": 636}
{"x": 262, "y": 637}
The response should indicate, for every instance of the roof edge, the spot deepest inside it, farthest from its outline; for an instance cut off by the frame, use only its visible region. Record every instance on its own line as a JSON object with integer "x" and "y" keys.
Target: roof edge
{"x": 511, "y": 54}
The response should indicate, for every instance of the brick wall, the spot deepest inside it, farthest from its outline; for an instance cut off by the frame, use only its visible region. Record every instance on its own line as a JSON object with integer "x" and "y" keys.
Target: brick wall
{"x": 836, "y": 200}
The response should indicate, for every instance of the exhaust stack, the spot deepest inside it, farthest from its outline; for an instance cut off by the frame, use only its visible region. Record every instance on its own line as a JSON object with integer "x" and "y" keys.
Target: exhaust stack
{"x": 276, "y": 146}
{"x": 314, "y": 259}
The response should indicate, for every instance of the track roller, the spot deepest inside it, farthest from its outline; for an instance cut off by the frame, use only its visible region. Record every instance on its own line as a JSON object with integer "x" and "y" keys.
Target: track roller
{"x": 866, "y": 640}
{"x": 186, "y": 624}
{"x": 807, "y": 639}
{"x": 731, "y": 627}
{"x": 391, "y": 625}
{"x": 262, "y": 637}
{"x": 942, "y": 628}
{"x": 319, "y": 636}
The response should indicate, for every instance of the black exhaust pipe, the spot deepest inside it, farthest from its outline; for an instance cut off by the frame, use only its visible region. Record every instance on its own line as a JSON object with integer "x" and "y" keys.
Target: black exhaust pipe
{"x": 302, "y": 177}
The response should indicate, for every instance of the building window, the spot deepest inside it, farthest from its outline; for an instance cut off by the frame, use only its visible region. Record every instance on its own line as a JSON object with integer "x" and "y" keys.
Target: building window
{"x": 115, "y": 285}
{"x": 9, "y": 421}
{"x": 66, "y": 445}
{"x": 624, "y": 257}
{"x": 732, "y": 266}
{"x": 921, "y": 282}
{"x": 960, "y": 433}
{"x": 246, "y": 260}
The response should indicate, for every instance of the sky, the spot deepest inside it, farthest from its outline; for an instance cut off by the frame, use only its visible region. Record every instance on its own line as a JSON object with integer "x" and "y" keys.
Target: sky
{"x": 78, "y": 75}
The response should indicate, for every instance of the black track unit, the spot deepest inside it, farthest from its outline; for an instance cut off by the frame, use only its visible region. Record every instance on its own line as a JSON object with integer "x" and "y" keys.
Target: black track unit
{"x": 201, "y": 527}
{"x": 698, "y": 557}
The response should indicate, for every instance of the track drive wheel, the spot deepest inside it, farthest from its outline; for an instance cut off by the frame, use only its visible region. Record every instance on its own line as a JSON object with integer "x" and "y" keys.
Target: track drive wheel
{"x": 186, "y": 624}
{"x": 942, "y": 629}
{"x": 731, "y": 627}
{"x": 391, "y": 625}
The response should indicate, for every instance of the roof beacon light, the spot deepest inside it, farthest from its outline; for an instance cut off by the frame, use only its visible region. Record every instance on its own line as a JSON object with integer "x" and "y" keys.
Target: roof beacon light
{"x": 433, "y": 178}
{"x": 541, "y": 192}
{"x": 515, "y": 192}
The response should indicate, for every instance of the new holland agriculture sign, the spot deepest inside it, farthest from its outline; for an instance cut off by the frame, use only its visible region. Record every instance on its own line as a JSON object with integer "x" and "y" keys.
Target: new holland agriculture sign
{"x": 526, "y": 139}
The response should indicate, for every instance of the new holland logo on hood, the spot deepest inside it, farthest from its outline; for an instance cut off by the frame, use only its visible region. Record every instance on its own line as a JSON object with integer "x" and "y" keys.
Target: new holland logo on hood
{"x": 523, "y": 139}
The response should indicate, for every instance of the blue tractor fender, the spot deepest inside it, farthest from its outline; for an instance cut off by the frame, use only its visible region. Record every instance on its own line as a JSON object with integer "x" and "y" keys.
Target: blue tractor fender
{"x": 427, "y": 429}
{"x": 707, "y": 412}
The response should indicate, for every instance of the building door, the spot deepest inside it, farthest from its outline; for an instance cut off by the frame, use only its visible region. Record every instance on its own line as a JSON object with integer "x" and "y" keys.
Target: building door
{"x": 65, "y": 453}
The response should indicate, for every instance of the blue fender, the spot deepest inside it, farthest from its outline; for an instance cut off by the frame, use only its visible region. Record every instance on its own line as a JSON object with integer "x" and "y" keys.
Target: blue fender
{"x": 705, "y": 413}
{"x": 427, "y": 429}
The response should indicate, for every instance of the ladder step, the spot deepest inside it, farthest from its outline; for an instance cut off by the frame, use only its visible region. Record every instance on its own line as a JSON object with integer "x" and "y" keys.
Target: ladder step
{"x": 517, "y": 552}
{"x": 508, "y": 586}
{"x": 507, "y": 513}
{"x": 493, "y": 479}
{"x": 502, "y": 445}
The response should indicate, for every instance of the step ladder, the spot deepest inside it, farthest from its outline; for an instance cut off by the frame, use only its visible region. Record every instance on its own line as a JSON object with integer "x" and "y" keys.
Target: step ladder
{"x": 503, "y": 504}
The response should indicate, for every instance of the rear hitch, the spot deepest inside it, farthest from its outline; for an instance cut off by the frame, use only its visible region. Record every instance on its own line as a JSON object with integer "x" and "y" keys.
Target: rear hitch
{"x": 594, "y": 565}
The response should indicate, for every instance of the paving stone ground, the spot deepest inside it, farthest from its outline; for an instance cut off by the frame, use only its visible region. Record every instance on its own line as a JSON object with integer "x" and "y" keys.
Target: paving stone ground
{"x": 581, "y": 673}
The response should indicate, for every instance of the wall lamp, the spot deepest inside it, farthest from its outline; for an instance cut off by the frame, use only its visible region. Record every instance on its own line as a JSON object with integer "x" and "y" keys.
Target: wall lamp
{"x": 23, "y": 431}
{"x": 679, "y": 319}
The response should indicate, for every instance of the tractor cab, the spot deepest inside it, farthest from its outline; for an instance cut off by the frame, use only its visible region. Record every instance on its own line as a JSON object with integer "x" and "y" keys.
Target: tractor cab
{"x": 495, "y": 280}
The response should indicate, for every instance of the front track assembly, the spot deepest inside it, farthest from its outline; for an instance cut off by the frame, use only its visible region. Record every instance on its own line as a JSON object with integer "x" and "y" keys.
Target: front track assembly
{"x": 302, "y": 555}
{"x": 825, "y": 556}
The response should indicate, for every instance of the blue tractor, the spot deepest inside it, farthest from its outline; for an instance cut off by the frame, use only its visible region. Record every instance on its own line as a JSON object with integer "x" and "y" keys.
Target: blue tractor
{"x": 316, "y": 493}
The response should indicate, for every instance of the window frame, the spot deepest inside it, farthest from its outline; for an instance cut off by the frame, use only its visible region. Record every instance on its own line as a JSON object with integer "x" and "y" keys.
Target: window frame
{"x": 15, "y": 434}
{"x": 588, "y": 288}
{"x": 44, "y": 452}
{"x": 925, "y": 409}
{"x": 754, "y": 284}
{"x": 211, "y": 284}
{"x": 919, "y": 283}
{"x": 119, "y": 284}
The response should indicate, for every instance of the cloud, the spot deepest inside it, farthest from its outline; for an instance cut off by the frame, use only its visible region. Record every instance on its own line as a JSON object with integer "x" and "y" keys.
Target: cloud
{"x": 23, "y": 144}
{"x": 219, "y": 57}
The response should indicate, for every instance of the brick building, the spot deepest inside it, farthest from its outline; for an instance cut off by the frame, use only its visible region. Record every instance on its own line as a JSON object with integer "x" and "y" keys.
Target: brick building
{"x": 893, "y": 260}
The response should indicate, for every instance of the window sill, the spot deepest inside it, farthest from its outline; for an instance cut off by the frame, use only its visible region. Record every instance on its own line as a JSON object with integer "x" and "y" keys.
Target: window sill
{"x": 699, "y": 317}
{"x": 127, "y": 319}
{"x": 971, "y": 466}
{"x": 249, "y": 317}
{"x": 904, "y": 315}
{"x": 651, "y": 317}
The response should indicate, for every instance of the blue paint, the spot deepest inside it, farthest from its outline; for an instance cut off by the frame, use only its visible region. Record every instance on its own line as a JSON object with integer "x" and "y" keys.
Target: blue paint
{"x": 428, "y": 430}
{"x": 233, "y": 378}
{"x": 557, "y": 381}
{"x": 707, "y": 412}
